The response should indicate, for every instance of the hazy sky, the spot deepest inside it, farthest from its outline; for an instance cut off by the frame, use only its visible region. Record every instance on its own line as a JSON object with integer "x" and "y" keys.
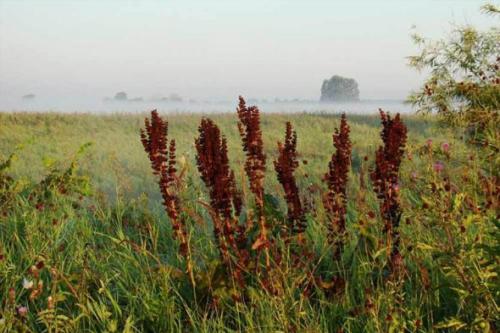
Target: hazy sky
{"x": 216, "y": 49}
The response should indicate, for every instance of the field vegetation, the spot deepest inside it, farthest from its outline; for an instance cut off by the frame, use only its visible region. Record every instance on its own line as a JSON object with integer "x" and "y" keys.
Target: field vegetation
{"x": 255, "y": 222}
{"x": 87, "y": 245}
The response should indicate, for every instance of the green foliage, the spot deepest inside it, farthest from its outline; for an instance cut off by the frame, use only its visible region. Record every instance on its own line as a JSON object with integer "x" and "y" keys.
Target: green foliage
{"x": 108, "y": 263}
{"x": 339, "y": 89}
{"x": 463, "y": 85}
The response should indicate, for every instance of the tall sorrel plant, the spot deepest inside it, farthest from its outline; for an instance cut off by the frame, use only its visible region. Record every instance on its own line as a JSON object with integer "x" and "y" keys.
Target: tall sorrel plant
{"x": 255, "y": 167}
{"x": 336, "y": 178}
{"x": 385, "y": 178}
{"x": 161, "y": 152}
{"x": 240, "y": 245}
{"x": 225, "y": 200}
{"x": 285, "y": 166}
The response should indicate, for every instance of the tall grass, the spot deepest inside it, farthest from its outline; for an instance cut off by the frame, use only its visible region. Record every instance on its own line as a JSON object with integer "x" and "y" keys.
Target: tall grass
{"x": 77, "y": 256}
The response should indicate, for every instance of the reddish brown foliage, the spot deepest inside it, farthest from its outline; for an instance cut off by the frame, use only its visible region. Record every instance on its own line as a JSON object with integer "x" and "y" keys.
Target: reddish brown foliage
{"x": 255, "y": 164}
{"x": 385, "y": 176}
{"x": 285, "y": 167}
{"x": 161, "y": 153}
{"x": 213, "y": 165}
{"x": 336, "y": 179}
{"x": 154, "y": 140}
{"x": 251, "y": 135}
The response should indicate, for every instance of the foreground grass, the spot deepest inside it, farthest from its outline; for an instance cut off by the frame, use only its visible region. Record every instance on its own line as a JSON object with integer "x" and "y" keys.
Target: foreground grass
{"x": 107, "y": 260}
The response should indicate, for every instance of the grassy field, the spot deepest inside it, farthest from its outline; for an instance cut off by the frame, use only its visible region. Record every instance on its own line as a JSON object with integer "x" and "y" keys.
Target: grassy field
{"x": 116, "y": 157}
{"x": 101, "y": 255}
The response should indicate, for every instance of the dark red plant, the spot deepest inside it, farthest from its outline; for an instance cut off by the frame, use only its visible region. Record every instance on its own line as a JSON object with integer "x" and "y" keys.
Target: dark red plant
{"x": 213, "y": 165}
{"x": 285, "y": 167}
{"x": 161, "y": 152}
{"x": 225, "y": 200}
{"x": 251, "y": 135}
{"x": 255, "y": 165}
{"x": 336, "y": 179}
{"x": 385, "y": 177}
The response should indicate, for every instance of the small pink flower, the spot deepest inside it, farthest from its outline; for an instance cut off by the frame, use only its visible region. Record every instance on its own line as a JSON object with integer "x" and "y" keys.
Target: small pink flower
{"x": 438, "y": 166}
{"x": 414, "y": 175}
{"x": 22, "y": 311}
{"x": 445, "y": 147}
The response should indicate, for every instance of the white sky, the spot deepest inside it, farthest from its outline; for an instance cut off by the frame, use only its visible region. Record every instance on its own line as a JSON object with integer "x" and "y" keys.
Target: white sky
{"x": 89, "y": 49}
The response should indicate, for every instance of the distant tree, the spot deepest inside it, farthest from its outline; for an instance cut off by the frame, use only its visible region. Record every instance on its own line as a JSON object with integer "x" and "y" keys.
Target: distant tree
{"x": 29, "y": 97}
{"x": 463, "y": 85}
{"x": 174, "y": 98}
{"x": 121, "y": 96}
{"x": 136, "y": 99}
{"x": 339, "y": 88}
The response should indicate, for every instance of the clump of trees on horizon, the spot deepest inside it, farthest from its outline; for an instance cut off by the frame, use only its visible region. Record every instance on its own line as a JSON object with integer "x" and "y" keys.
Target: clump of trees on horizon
{"x": 339, "y": 89}
{"x": 28, "y": 97}
{"x": 122, "y": 96}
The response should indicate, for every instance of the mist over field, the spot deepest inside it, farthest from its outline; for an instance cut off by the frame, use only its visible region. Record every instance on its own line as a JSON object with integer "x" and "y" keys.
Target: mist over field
{"x": 85, "y": 106}
{"x": 68, "y": 56}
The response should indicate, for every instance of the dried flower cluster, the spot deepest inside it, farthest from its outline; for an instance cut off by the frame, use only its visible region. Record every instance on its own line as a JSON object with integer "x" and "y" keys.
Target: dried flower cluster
{"x": 255, "y": 165}
{"x": 161, "y": 152}
{"x": 336, "y": 178}
{"x": 213, "y": 165}
{"x": 154, "y": 138}
{"x": 285, "y": 167}
{"x": 253, "y": 146}
{"x": 225, "y": 200}
{"x": 236, "y": 241}
{"x": 385, "y": 176}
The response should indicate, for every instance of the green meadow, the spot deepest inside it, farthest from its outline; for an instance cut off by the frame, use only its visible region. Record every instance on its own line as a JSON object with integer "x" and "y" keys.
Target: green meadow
{"x": 86, "y": 246}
